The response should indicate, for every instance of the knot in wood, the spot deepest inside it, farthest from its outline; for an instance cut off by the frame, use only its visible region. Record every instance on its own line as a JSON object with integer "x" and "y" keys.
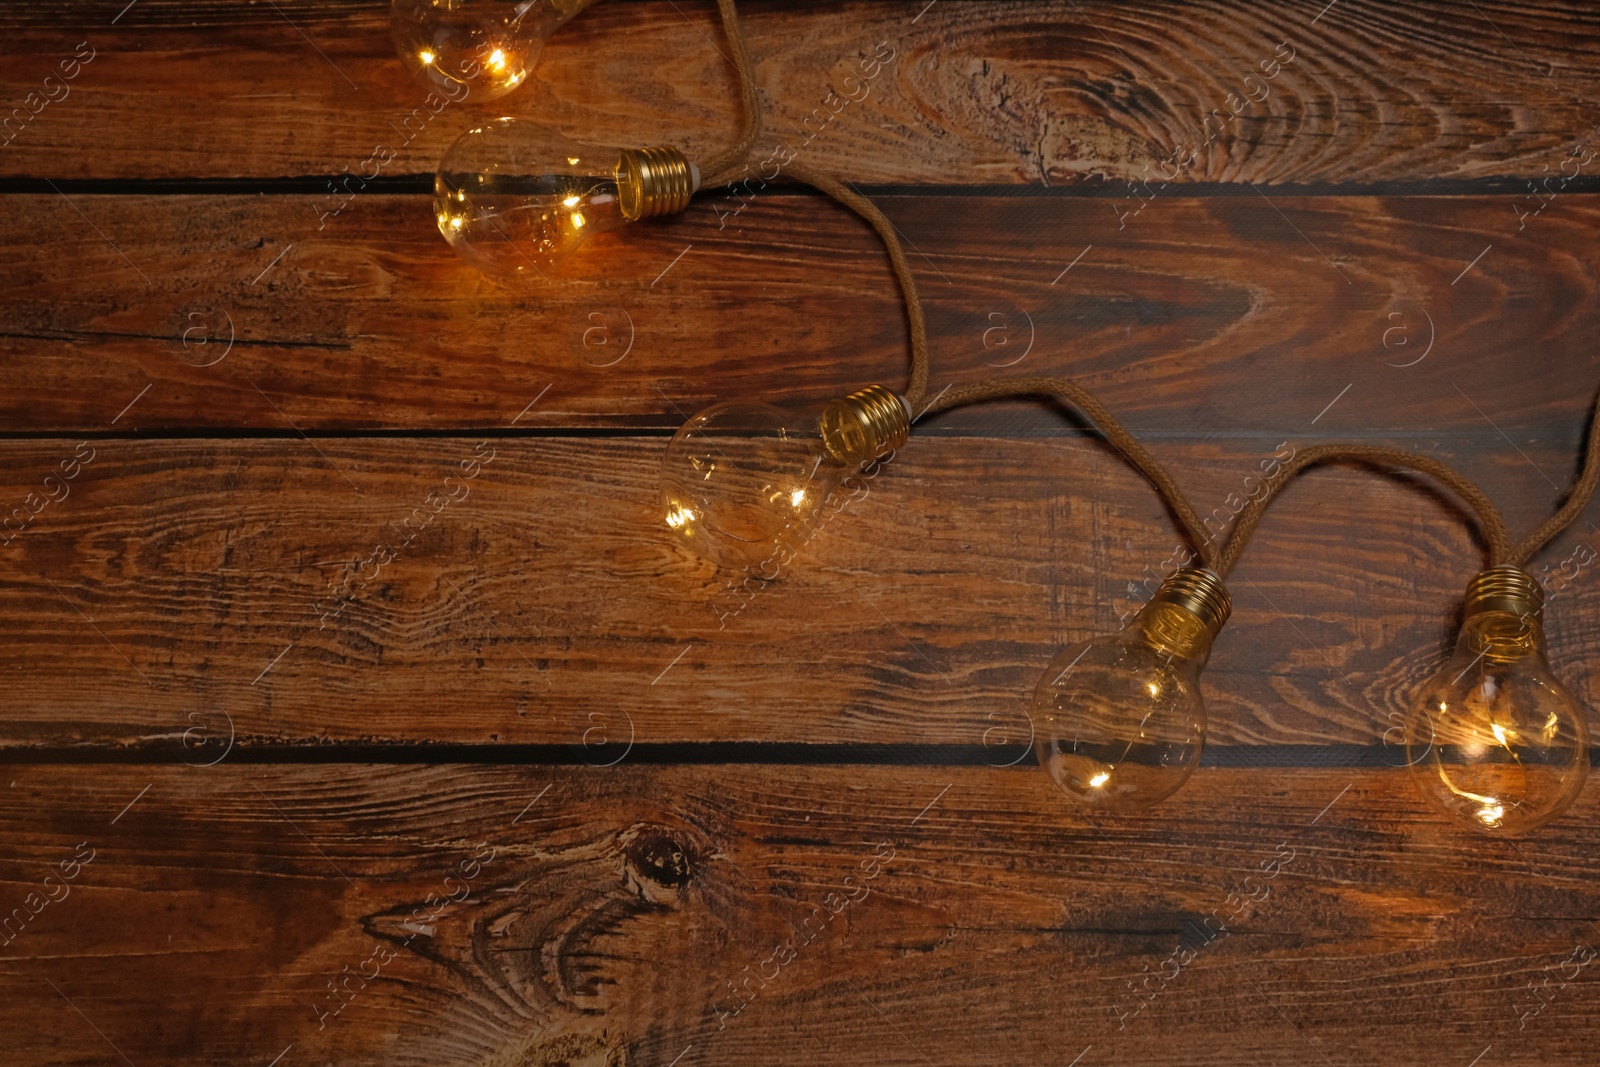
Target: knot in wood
{"x": 655, "y": 859}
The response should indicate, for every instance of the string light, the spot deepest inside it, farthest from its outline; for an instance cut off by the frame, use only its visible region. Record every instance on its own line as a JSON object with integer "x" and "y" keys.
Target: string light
{"x": 1496, "y": 742}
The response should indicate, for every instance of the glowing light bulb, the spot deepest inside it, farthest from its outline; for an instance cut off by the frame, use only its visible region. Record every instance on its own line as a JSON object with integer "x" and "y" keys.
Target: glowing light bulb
{"x": 516, "y": 199}
{"x": 742, "y": 481}
{"x": 1118, "y": 721}
{"x": 1494, "y": 740}
{"x": 487, "y": 45}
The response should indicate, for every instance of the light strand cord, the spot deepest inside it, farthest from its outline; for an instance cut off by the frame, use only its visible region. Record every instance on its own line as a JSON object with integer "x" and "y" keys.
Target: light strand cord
{"x": 726, "y": 163}
{"x": 1494, "y": 527}
{"x": 917, "y": 388}
{"x": 1112, "y": 430}
{"x": 1501, "y": 550}
{"x": 1578, "y": 499}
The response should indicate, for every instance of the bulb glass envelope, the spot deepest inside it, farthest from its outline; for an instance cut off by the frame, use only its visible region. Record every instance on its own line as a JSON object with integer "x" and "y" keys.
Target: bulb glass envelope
{"x": 1119, "y": 720}
{"x": 741, "y": 480}
{"x": 490, "y": 46}
{"x": 516, "y": 199}
{"x": 1494, "y": 740}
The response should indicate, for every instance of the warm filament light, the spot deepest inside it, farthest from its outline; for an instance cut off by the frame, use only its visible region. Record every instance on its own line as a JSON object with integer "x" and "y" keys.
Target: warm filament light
{"x": 760, "y": 478}
{"x": 524, "y": 211}
{"x": 484, "y": 46}
{"x": 1100, "y": 779}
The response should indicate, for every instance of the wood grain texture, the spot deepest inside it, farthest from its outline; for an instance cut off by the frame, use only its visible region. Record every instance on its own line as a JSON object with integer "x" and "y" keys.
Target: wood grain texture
{"x": 978, "y": 92}
{"x": 288, "y": 728}
{"x": 272, "y": 584}
{"x": 617, "y": 911}
{"x": 1195, "y": 315}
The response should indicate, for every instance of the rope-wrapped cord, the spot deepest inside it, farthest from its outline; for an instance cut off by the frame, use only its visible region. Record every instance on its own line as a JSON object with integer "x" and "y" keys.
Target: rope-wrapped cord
{"x": 1577, "y": 500}
{"x": 726, "y": 164}
{"x": 1494, "y": 527}
{"x": 1501, "y": 550}
{"x": 824, "y": 183}
{"x": 1113, "y": 431}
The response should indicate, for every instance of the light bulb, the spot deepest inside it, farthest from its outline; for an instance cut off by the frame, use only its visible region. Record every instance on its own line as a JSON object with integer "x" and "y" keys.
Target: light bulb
{"x": 488, "y": 45}
{"x": 742, "y": 481}
{"x": 1494, "y": 740}
{"x": 1118, "y": 720}
{"x": 516, "y": 199}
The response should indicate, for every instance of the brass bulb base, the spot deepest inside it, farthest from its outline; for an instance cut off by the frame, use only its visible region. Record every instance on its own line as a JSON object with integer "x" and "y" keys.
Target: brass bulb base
{"x": 1199, "y": 592}
{"x": 865, "y": 425}
{"x": 1505, "y": 589}
{"x": 1186, "y": 613}
{"x": 654, "y": 181}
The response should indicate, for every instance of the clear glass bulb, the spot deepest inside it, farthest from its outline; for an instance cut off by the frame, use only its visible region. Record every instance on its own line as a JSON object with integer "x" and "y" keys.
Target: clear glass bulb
{"x": 743, "y": 480}
{"x": 1494, "y": 740}
{"x": 487, "y": 45}
{"x": 1119, "y": 722}
{"x": 515, "y": 199}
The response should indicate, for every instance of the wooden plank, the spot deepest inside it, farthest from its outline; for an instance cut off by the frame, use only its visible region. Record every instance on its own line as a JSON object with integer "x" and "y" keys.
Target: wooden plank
{"x": 972, "y": 92}
{"x": 1199, "y": 315}
{"x": 618, "y": 911}
{"x": 273, "y": 585}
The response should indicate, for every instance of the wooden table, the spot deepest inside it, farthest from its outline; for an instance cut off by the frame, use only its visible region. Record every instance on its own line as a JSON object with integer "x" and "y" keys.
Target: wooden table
{"x": 529, "y": 791}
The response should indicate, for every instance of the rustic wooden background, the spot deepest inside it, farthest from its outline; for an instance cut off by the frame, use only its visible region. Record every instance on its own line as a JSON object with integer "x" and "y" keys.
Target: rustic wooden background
{"x": 638, "y": 797}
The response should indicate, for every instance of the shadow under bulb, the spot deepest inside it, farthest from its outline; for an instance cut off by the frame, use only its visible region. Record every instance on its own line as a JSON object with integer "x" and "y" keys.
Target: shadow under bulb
{"x": 1494, "y": 740}
{"x": 744, "y": 481}
{"x": 515, "y": 199}
{"x": 488, "y": 45}
{"x": 1119, "y": 722}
